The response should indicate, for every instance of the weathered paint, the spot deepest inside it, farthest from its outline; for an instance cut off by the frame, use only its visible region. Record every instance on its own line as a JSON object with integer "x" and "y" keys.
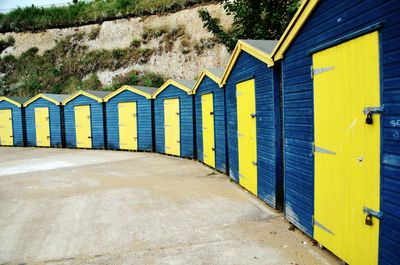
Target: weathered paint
{"x": 144, "y": 120}
{"x": 207, "y": 85}
{"x": 332, "y": 21}
{"x": 96, "y": 119}
{"x": 17, "y": 121}
{"x": 55, "y": 122}
{"x": 269, "y": 177}
{"x": 186, "y": 120}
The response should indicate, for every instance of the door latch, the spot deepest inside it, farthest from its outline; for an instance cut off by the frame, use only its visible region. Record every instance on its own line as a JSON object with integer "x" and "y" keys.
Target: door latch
{"x": 254, "y": 163}
{"x": 253, "y": 115}
{"x": 369, "y": 111}
{"x": 211, "y": 112}
{"x": 371, "y": 213}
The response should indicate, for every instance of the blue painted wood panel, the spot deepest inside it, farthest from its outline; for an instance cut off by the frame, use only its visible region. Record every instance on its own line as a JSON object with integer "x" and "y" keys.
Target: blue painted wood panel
{"x": 329, "y": 21}
{"x": 206, "y": 86}
{"x": 269, "y": 161}
{"x": 96, "y": 118}
{"x": 55, "y": 122}
{"x": 186, "y": 119}
{"x": 17, "y": 122}
{"x": 144, "y": 120}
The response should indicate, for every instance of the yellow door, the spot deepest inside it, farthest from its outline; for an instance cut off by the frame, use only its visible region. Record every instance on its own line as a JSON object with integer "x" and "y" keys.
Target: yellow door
{"x": 42, "y": 123}
{"x": 247, "y": 135}
{"x": 127, "y": 122}
{"x": 6, "y": 131}
{"x": 172, "y": 127}
{"x": 347, "y": 150}
{"x": 207, "y": 107}
{"x": 83, "y": 127}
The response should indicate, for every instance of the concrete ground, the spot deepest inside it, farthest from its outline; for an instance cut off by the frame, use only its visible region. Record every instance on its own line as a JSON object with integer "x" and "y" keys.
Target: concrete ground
{"x": 63, "y": 206}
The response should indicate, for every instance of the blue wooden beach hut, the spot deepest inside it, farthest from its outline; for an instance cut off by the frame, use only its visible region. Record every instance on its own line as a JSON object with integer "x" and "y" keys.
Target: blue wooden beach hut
{"x": 85, "y": 120}
{"x": 129, "y": 115}
{"x": 253, "y": 120}
{"x": 12, "y": 132}
{"x": 341, "y": 103}
{"x": 174, "y": 118}
{"x": 210, "y": 119}
{"x": 44, "y": 120}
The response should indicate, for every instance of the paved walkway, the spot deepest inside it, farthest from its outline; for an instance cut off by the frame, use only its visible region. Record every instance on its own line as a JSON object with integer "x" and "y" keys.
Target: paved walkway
{"x": 64, "y": 206}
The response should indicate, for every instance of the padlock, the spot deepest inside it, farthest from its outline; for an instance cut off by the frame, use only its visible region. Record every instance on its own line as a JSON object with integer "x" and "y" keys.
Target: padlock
{"x": 368, "y": 219}
{"x": 369, "y": 119}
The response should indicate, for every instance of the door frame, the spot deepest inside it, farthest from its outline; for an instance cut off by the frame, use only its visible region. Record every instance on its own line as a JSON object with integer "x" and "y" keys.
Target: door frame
{"x": 215, "y": 138}
{"x": 12, "y": 125}
{"x": 180, "y": 127}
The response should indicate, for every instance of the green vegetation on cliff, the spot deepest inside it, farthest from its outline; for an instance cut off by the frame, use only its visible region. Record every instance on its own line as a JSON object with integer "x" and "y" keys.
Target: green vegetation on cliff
{"x": 70, "y": 66}
{"x": 82, "y": 13}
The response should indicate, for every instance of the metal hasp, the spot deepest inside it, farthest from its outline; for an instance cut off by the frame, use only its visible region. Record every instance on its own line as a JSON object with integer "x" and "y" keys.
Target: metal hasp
{"x": 369, "y": 111}
{"x": 373, "y": 110}
{"x": 376, "y": 214}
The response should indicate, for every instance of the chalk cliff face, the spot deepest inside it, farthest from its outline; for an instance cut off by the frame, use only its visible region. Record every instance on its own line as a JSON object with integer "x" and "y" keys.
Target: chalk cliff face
{"x": 182, "y": 56}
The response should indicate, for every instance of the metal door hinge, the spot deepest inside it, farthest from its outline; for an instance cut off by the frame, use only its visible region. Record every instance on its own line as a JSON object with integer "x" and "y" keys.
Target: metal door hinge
{"x": 316, "y": 223}
{"x": 318, "y": 149}
{"x": 316, "y": 71}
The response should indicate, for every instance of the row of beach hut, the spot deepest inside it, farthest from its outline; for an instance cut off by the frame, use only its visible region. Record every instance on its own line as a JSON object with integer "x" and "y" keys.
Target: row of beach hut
{"x": 309, "y": 123}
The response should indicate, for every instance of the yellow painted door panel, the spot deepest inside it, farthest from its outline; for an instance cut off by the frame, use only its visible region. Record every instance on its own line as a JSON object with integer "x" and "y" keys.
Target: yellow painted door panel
{"x": 207, "y": 108}
{"x": 247, "y": 135}
{"x": 83, "y": 128}
{"x": 6, "y": 130}
{"x": 347, "y": 150}
{"x": 172, "y": 127}
{"x": 127, "y": 122}
{"x": 42, "y": 123}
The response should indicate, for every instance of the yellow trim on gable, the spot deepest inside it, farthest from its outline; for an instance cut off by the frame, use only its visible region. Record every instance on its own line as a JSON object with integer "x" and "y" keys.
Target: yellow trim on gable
{"x": 174, "y": 83}
{"x": 126, "y": 87}
{"x": 83, "y": 93}
{"x": 19, "y": 105}
{"x": 242, "y": 46}
{"x": 204, "y": 73}
{"x": 41, "y": 96}
{"x": 294, "y": 27}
